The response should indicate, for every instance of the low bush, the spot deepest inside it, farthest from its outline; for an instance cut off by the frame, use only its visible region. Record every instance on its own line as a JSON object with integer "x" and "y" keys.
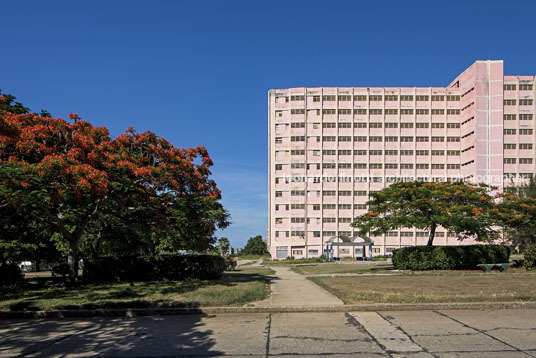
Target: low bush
{"x": 230, "y": 263}
{"x": 530, "y": 257}
{"x": 164, "y": 267}
{"x": 448, "y": 257}
{"x": 10, "y": 274}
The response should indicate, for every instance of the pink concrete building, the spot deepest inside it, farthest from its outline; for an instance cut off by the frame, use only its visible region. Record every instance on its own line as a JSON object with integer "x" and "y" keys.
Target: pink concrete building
{"x": 330, "y": 147}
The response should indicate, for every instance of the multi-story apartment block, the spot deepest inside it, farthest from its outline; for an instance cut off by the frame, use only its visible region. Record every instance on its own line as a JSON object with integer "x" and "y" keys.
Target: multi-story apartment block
{"x": 330, "y": 147}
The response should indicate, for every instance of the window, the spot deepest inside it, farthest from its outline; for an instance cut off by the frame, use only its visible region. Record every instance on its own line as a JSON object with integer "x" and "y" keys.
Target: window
{"x": 509, "y": 160}
{"x": 525, "y": 102}
{"x": 438, "y": 139}
{"x": 345, "y": 152}
{"x": 360, "y": 206}
{"x": 375, "y": 111}
{"x": 453, "y": 153}
{"x": 328, "y": 111}
{"x": 406, "y": 152}
{"x": 509, "y": 87}
{"x": 297, "y": 152}
{"x": 375, "y": 139}
{"x": 525, "y": 117}
{"x": 422, "y": 139}
{"x": 360, "y": 193}
{"x": 278, "y": 140}
{"x": 345, "y": 125}
{"x": 391, "y": 125}
{"x": 406, "y": 98}
{"x": 375, "y": 152}
{"x": 406, "y": 139}
{"x": 345, "y": 193}
{"x": 509, "y": 131}
{"x": 360, "y": 125}
{"x": 316, "y": 98}
{"x": 297, "y": 193}
{"x": 391, "y": 97}
{"x": 438, "y": 125}
{"x": 328, "y": 98}
{"x": 438, "y": 152}
{"x": 328, "y": 139}
{"x": 329, "y": 165}
{"x": 345, "y": 166}
{"x": 314, "y": 252}
{"x": 329, "y": 125}
{"x": 436, "y": 98}
{"x": 524, "y": 87}
{"x": 421, "y": 166}
{"x": 316, "y": 207}
{"x": 345, "y": 111}
{"x": 278, "y": 194}
{"x": 525, "y": 146}
{"x": 453, "y": 139}
{"x": 406, "y": 125}
{"x": 391, "y": 111}
{"x": 345, "y": 98}
{"x": 453, "y": 125}
{"x": 422, "y": 98}
{"x": 391, "y": 152}
{"x": 297, "y": 206}
{"x": 451, "y": 111}
{"x": 406, "y": 110}
{"x": 453, "y": 166}
{"x": 360, "y": 152}
{"x": 297, "y": 138}
{"x": 328, "y": 193}
{"x": 345, "y": 139}
{"x": 360, "y": 111}
{"x": 297, "y": 98}
{"x": 422, "y": 125}
{"x": 453, "y": 98}
{"x": 375, "y": 165}
{"x": 297, "y": 111}
{"x": 360, "y": 165}
{"x": 422, "y": 111}
{"x": 391, "y": 166}
{"x": 438, "y": 166}
{"x": 375, "y": 125}
{"x": 345, "y": 206}
{"x": 360, "y": 98}
{"x": 329, "y": 220}
{"x": 423, "y": 152}
{"x": 509, "y": 102}
{"x": 525, "y": 160}
{"x": 438, "y": 111}
{"x": 297, "y": 220}
{"x": 510, "y": 146}
{"x": 525, "y": 132}
{"x": 297, "y": 165}
{"x": 375, "y": 98}
{"x": 391, "y": 139}
{"x": 406, "y": 166}
{"x": 279, "y": 167}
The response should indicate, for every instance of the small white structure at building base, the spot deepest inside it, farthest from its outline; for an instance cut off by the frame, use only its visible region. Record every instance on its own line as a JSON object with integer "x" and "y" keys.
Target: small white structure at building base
{"x": 343, "y": 240}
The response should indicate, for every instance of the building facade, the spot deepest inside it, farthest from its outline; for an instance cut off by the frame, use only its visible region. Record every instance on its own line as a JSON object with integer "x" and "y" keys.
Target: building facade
{"x": 330, "y": 147}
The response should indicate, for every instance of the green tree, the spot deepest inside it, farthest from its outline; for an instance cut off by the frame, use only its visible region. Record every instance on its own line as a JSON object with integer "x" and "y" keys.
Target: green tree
{"x": 465, "y": 209}
{"x": 224, "y": 246}
{"x": 255, "y": 246}
{"x": 518, "y": 214}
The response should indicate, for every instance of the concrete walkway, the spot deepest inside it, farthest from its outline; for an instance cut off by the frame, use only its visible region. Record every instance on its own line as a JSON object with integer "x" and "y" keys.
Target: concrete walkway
{"x": 289, "y": 289}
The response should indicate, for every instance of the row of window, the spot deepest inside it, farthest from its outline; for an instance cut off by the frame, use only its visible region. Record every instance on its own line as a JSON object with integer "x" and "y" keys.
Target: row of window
{"x": 374, "y": 98}
{"x": 344, "y": 152}
{"x": 279, "y": 140}
{"x": 521, "y": 146}
{"x": 373, "y": 165}
{"x": 332, "y": 111}
{"x": 301, "y": 233}
{"x": 522, "y": 87}
{"x": 522, "y": 131}
{"x": 372, "y": 125}
{"x": 522, "y": 102}
{"x": 522, "y": 117}
{"x": 521, "y": 160}
{"x": 316, "y": 207}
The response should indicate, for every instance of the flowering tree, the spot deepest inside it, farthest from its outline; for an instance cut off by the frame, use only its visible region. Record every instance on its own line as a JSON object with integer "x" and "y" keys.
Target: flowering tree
{"x": 74, "y": 176}
{"x": 468, "y": 210}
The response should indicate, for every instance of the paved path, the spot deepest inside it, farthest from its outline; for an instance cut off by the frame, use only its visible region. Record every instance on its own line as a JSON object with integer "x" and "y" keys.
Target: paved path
{"x": 446, "y": 333}
{"x": 290, "y": 289}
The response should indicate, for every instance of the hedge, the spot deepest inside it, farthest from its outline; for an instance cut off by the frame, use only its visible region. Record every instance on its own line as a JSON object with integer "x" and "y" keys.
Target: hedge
{"x": 449, "y": 257}
{"x": 154, "y": 268}
{"x": 10, "y": 274}
{"x": 530, "y": 257}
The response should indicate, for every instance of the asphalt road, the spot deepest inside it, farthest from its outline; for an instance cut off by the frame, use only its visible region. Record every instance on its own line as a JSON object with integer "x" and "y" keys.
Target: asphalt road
{"x": 449, "y": 333}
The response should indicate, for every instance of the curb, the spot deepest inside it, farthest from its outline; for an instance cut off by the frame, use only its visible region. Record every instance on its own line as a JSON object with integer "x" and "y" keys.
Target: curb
{"x": 141, "y": 312}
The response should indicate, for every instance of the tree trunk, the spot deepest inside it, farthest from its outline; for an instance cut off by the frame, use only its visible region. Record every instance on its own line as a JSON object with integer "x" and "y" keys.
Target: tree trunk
{"x": 72, "y": 260}
{"x": 432, "y": 234}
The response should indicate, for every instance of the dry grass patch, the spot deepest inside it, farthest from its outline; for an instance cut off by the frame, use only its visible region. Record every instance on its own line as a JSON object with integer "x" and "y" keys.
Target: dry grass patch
{"x": 342, "y": 268}
{"x": 433, "y": 287}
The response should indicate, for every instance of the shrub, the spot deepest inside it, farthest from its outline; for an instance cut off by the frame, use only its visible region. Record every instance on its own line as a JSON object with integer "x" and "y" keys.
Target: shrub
{"x": 163, "y": 267}
{"x": 61, "y": 269}
{"x": 10, "y": 274}
{"x": 448, "y": 257}
{"x": 230, "y": 263}
{"x": 530, "y": 257}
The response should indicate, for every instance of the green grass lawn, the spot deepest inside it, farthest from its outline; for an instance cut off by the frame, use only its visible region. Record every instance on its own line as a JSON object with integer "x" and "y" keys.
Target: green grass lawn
{"x": 234, "y": 289}
{"x": 342, "y": 268}
{"x": 434, "y": 287}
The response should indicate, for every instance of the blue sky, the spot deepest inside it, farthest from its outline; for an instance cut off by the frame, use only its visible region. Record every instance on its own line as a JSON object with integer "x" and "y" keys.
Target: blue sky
{"x": 198, "y": 73}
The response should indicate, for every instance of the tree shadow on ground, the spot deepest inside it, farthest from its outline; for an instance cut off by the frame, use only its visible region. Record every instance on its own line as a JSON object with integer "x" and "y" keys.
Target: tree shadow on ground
{"x": 142, "y": 336}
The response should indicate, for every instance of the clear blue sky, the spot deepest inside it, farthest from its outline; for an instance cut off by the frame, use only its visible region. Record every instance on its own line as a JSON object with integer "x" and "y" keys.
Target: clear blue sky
{"x": 198, "y": 72}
